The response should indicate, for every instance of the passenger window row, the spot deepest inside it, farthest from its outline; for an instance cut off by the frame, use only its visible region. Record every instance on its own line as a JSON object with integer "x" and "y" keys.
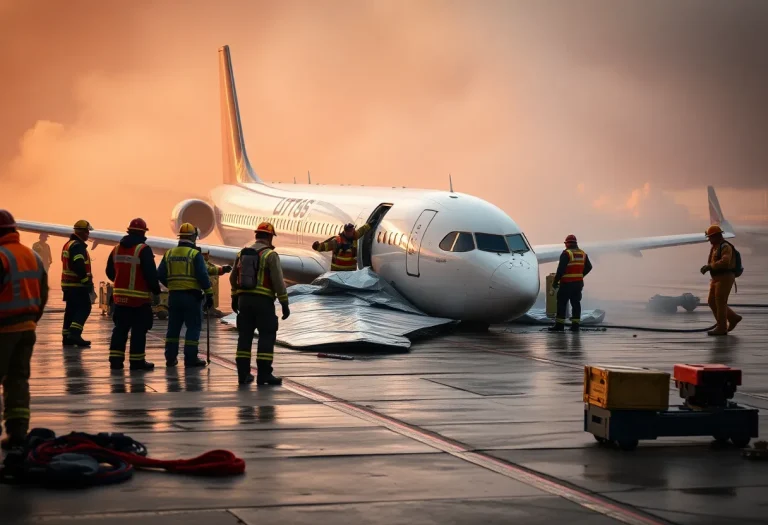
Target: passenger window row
{"x": 319, "y": 228}
{"x": 485, "y": 242}
{"x": 392, "y": 238}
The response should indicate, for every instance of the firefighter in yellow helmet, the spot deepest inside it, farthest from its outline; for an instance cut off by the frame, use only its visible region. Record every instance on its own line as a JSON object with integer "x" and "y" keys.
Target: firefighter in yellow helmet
{"x": 343, "y": 247}
{"x": 257, "y": 279}
{"x": 184, "y": 273}
{"x": 723, "y": 266}
{"x": 77, "y": 284}
{"x": 574, "y": 265}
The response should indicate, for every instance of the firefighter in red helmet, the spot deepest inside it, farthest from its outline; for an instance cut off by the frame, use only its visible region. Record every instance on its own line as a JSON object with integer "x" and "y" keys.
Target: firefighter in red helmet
{"x": 131, "y": 267}
{"x": 574, "y": 265}
{"x": 23, "y": 295}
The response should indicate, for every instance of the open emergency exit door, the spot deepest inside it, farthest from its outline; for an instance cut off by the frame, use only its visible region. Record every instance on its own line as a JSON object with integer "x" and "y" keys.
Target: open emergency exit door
{"x": 413, "y": 253}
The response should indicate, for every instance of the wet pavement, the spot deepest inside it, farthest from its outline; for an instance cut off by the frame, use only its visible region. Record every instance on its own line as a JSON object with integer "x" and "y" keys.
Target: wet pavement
{"x": 464, "y": 428}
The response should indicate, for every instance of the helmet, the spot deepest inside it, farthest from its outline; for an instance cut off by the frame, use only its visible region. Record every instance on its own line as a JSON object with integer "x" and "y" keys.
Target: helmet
{"x": 713, "y": 230}
{"x": 6, "y": 219}
{"x": 349, "y": 226}
{"x": 188, "y": 230}
{"x": 82, "y": 224}
{"x": 266, "y": 227}
{"x": 138, "y": 224}
{"x": 571, "y": 239}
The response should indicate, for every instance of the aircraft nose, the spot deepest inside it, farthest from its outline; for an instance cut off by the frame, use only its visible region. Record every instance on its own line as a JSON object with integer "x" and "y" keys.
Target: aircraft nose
{"x": 513, "y": 289}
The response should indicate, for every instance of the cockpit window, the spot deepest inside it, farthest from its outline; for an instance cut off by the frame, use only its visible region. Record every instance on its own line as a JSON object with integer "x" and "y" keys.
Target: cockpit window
{"x": 458, "y": 242}
{"x": 517, "y": 243}
{"x": 487, "y": 242}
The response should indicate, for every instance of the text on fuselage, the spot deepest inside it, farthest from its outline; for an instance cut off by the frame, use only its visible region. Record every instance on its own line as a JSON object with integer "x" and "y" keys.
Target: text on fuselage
{"x": 296, "y": 208}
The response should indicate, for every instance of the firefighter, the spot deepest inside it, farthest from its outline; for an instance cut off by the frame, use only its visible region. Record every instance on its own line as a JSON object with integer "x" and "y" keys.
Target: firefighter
{"x": 131, "y": 267}
{"x": 184, "y": 273}
{"x": 77, "y": 284}
{"x": 214, "y": 272}
{"x": 256, "y": 281}
{"x": 23, "y": 295}
{"x": 344, "y": 248}
{"x": 721, "y": 265}
{"x": 44, "y": 251}
{"x": 569, "y": 283}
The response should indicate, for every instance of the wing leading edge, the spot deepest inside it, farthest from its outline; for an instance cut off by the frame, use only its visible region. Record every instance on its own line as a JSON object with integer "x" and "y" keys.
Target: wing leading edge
{"x": 298, "y": 265}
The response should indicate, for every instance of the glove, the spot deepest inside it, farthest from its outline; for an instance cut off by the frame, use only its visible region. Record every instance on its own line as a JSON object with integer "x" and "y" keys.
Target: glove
{"x": 208, "y": 302}
{"x": 235, "y": 304}
{"x": 705, "y": 269}
{"x": 315, "y": 245}
{"x": 286, "y": 310}
{"x": 226, "y": 269}
{"x": 555, "y": 288}
{"x": 155, "y": 299}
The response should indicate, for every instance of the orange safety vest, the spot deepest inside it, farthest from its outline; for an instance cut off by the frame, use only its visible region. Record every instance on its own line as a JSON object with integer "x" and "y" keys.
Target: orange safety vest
{"x": 130, "y": 286}
{"x": 20, "y": 294}
{"x": 574, "y": 271}
{"x": 344, "y": 260}
{"x": 69, "y": 279}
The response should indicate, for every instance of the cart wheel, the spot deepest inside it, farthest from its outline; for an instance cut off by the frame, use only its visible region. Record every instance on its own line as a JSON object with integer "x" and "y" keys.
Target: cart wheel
{"x": 740, "y": 441}
{"x": 627, "y": 444}
{"x": 162, "y": 315}
{"x": 600, "y": 440}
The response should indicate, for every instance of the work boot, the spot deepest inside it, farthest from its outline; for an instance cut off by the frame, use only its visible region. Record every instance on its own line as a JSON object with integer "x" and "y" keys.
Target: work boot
{"x": 172, "y": 363}
{"x": 244, "y": 380}
{"x": 16, "y": 433}
{"x": 142, "y": 365}
{"x": 197, "y": 363}
{"x": 66, "y": 342}
{"x": 269, "y": 380}
{"x": 116, "y": 365}
{"x": 717, "y": 331}
{"x": 558, "y": 327}
{"x": 575, "y": 327}
{"x": 735, "y": 321}
{"x": 79, "y": 341}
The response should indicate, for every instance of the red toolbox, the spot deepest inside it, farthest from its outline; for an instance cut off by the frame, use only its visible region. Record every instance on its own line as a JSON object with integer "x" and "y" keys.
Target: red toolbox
{"x": 706, "y": 385}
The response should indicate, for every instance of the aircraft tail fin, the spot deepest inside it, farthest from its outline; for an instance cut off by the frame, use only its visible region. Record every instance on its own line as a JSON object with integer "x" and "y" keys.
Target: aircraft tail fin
{"x": 715, "y": 212}
{"x": 237, "y": 167}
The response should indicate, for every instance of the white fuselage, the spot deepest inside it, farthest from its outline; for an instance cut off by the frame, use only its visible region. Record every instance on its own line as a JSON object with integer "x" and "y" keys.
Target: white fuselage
{"x": 476, "y": 285}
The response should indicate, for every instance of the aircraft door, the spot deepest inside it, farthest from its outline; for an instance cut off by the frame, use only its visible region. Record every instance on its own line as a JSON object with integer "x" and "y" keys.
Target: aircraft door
{"x": 366, "y": 243}
{"x": 413, "y": 252}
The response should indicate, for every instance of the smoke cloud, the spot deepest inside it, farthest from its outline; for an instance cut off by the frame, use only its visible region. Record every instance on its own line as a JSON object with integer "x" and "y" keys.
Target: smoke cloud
{"x": 590, "y": 117}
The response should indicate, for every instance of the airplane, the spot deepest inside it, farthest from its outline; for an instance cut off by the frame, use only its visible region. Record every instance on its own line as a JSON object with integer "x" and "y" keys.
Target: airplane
{"x": 452, "y": 255}
{"x": 754, "y": 236}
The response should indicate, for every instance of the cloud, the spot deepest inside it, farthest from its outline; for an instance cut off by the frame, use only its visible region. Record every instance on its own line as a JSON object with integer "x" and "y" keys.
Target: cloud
{"x": 552, "y": 111}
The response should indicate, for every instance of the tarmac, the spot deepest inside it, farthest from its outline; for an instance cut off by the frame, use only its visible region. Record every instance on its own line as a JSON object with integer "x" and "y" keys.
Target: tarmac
{"x": 464, "y": 428}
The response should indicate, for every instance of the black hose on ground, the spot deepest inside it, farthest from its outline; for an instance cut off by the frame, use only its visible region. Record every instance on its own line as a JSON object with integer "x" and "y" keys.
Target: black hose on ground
{"x": 604, "y": 327}
{"x": 749, "y": 305}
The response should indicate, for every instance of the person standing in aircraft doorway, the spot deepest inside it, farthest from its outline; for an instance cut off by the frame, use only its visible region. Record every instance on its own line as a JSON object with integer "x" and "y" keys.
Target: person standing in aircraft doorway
{"x": 344, "y": 248}
{"x": 574, "y": 265}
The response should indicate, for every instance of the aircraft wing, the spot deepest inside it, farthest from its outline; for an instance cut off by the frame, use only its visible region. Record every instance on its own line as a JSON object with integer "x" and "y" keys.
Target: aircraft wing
{"x": 551, "y": 252}
{"x": 299, "y": 265}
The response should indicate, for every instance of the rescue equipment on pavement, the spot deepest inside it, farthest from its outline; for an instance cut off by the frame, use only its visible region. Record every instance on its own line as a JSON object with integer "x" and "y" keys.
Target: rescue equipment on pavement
{"x": 82, "y": 460}
{"x": 336, "y": 356}
{"x": 706, "y": 411}
{"x": 668, "y": 304}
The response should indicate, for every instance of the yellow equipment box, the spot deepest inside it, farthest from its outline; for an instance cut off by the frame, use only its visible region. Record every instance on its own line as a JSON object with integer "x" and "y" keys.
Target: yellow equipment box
{"x": 551, "y": 298}
{"x": 624, "y": 387}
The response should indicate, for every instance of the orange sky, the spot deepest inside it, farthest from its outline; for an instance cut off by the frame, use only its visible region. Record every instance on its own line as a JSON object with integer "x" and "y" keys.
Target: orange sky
{"x": 606, "y": 120}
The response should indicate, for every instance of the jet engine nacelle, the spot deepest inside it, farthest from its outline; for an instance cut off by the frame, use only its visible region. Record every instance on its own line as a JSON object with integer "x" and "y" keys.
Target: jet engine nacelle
{"x": 196, "y": 212}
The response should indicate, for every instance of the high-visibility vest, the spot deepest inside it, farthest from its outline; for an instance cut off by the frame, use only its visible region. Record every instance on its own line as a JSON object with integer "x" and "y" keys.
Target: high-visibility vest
{"x": 263, "y": 277}
{"x": 130, "y": 286}
{"x": 69, "y": 279}
{"x": 180, "y": 265}
{"x": 344, "y": 260}
{"x": 20, "y": 294}
{"x": 574, "y": 271}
